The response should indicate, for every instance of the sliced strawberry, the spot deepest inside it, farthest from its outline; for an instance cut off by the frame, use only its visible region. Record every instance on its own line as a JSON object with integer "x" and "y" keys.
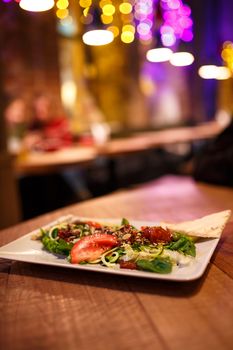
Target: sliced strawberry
{"x": 92, "y": 247}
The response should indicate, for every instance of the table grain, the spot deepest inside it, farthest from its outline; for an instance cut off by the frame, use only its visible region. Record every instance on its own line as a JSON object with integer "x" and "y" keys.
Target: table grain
{"x": 44, "y": 307}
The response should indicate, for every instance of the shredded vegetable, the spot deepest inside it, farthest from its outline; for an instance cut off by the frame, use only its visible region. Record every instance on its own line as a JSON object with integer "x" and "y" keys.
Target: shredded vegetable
{"x": 153, "y": 249}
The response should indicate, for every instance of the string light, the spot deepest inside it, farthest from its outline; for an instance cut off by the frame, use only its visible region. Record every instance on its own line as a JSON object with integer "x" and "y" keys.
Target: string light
{"x": 106, "y": 19}
{"x": 127, "y": 37}
{"x": 125, "y": 8}
{"x": 223, "y": 73}
{"x": 36, "y": 6}
{"x": 98, "y": 37}
{"x": 62, "y": 9}
{"x": 162, "y": 54}
{"x": 214, "y": 72}
{"x": 85, "y": 3}
{"x": 181, "y": 59}
{"x": 62, "y": 4}
{"x": 227, "y": 54}
{"x": 144, "y": 15}
{"x": 177, "y": 22}
{"x": 114, "y": 30}
{"x": 108, "y": 10}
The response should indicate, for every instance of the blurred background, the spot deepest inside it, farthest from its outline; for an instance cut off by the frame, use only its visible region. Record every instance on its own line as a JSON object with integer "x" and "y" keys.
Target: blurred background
{"x": 76, "y": 74}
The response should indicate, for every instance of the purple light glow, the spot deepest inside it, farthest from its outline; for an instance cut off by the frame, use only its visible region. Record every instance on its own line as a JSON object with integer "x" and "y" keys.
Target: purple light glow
{"x": 143, "y": 29}
{"x": 144, "y": 15}
{"x": 177, "y": 16}
{"x": 184, "y": 10}
{"x": 165, "y": 29}
{"x": 187, "y": 35}
{"x": 169, "y": 15}
{"x": 174, "y": 4}
{"x": 139, "y": 16}
{"x": 185, "y": 22}
{"x": 168, "y": 39}
{"x": 7, "y": 1}
{"x": 146, "y": 37}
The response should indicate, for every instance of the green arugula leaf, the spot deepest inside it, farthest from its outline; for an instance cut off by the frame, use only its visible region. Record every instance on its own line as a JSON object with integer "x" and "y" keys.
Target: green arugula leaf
{"x": 158, "y": 265}
{"x": 57, "y": 247}
{"x": 183, "y": 244}
{"x": 124, "y": 221}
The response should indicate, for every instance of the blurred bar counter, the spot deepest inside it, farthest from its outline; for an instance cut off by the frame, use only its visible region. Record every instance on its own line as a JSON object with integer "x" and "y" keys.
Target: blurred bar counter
{"x": 38, "y": 163}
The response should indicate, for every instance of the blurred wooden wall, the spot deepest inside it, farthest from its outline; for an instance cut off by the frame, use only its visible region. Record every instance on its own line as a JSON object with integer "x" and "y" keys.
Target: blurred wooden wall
{"x": 9, "y": 200}
{"x": 28, "y": 66}
{"x": 29, "y": 55}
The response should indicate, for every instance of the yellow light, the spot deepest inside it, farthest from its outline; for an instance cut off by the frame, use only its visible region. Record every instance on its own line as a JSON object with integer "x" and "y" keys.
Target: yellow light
{"x": 106, "y": 19}
{"x": 127, "y": 37}
{"x": 181, "y": 59}
{"x": 108, "y": 10}
{"x": 85, "y": 11}
{"x": 128, "y": 28}
{"x": 36, "y": 6}
{"x": 85, "y": 3}
{"x": 125, "y": 8}
{"x": 162, "y": 54}
{"x": 62, "y": 4}
{"x": 114, "y": 30}
{"x": 102, "y": 3}
{"x": 98, "y": 37}
{"x": 62, "y": 13}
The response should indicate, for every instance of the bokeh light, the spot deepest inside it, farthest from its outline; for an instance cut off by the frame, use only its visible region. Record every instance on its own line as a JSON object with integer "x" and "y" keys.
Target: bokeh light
{"x": 98, "y": 37}
{"x": 62, "y": 4}
{"x": 36, "y": 6}
{"x": 181, "y": 59}
{"x": 62, "y": 13}
{"x": 127, "y": 37}
{"x": 162, "y": 54}
{"x": 208, "y": 71}
{"x": 125, "y": 8}
{"x": 85, "y": 3}
{"x": 114, "y": 30}
{"x": 106, "y": 19}
{"x": 109, "y": 10}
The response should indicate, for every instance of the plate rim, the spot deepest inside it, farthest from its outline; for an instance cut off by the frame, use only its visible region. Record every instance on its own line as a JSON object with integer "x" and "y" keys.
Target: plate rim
{"x": 98, "y": 268}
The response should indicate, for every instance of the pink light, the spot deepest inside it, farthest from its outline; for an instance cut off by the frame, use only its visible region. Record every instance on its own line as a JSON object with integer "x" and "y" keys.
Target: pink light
{"x": 187, "y": 35}
{"x": 146, "y": 37}
{"x": 184, "y": 10}
{"x": 165, "y": 29}
{"x": 174, "y": 4}
{"x": 169, "y": 15}
{"x": 168, "y": 39}
{"x": 140, "y": 17}
{"x": 185, "y": 22}
{"x": 143, "y": 29}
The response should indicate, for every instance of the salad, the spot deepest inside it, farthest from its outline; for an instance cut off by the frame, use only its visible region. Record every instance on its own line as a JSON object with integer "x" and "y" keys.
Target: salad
{"x": 148, "y": 248}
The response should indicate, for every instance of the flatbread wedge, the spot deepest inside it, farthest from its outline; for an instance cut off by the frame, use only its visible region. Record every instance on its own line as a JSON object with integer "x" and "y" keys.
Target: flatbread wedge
{"x": 210, "y": 226}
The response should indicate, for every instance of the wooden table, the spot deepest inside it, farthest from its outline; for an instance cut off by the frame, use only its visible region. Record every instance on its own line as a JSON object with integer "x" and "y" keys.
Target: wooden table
{"x": 41, "y": 163}
{"x": 54, "y": 308}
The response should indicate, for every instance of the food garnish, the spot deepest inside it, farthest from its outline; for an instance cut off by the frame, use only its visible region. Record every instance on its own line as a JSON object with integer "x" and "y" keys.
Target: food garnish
{"x": 156, "y": 249}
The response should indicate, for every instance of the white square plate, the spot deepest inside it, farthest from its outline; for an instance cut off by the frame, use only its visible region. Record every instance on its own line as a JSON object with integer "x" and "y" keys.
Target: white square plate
{"x": 27, "y": 250}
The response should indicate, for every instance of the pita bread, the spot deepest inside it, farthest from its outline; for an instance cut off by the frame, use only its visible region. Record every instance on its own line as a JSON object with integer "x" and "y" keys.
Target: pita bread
{"x": 210, "y": 226}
